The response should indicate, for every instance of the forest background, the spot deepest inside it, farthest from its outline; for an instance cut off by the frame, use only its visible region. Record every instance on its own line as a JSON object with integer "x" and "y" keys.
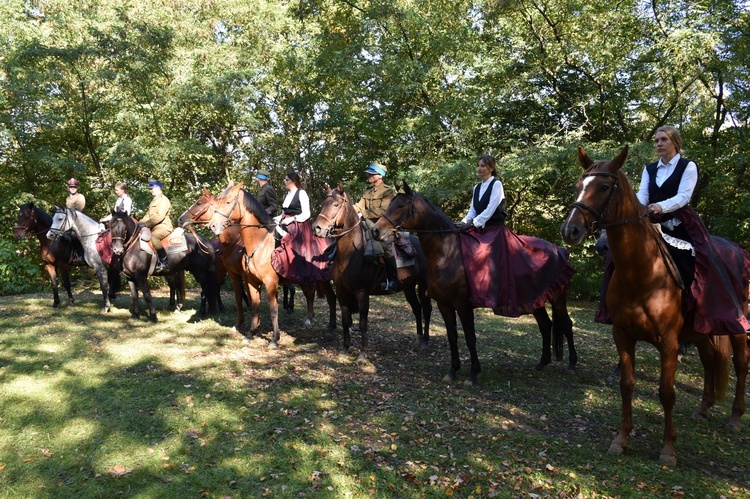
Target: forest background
{"x": 204, "y": 92}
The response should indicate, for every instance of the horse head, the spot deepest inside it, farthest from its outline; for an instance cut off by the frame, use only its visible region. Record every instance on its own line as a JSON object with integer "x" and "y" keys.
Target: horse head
{"x": 200, "y": 212}
{"x": 61, "y": 222}
{"x": 598, "y": 197}
{"x": 337, "y": 212}
{"x": 401, "y": 214}
{"x": 26, "y": 223}
{"x": 226, "y": 209}
{"x": 121, "y": 229}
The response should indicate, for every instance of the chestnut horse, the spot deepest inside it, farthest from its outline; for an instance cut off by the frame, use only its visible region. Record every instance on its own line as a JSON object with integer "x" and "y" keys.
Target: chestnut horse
{"x": 645, "y": 300}
{"x": 238, "y": 208}
{"x": 448, "y": 285}
{"x": 356, "y": 278}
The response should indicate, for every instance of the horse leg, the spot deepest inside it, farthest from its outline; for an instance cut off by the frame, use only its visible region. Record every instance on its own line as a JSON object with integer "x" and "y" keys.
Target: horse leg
{"x": 466, "y": 315}
{"x": 545, "y": 327}
{"x": 740, "y": 360}
{"x": 345, "y": 302}
{"x": 135, "y": 312}
{"x": 143, "y": 284}
{"x": 254, "y": 296}
{"x": 330, "y": 295}
{"x": 101, "y": 273}
{"x": 52, "y": 271}
{"x": 309, "y": 291}
{"x": 65, "y": 271}
{"x": 363, "y": 300}
{"x": 272, "y": 294}
{"x": 562, "y": 326}
{"x": 668, "y": 354}
{"x": 239, "y": 297}
{"x": 707, "y": 354}
{"x": 626, "y": 350}
{"x": 426, "y": 303}
{"x": 451, "y": 328}
{"x": 410, "y": 292}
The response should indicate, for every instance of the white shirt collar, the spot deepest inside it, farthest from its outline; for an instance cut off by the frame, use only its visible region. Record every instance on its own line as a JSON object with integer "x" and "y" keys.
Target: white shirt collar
{"x": 671, "y": 162}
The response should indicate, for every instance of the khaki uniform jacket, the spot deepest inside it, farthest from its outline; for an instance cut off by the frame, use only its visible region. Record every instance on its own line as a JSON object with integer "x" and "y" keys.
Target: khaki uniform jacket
{"x": 375, "y": 201}
{"x": 76, "y": 201}
{"x": 158, "y": 214}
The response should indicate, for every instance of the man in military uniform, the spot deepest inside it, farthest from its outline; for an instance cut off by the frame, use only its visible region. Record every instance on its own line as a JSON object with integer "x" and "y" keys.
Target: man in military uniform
{"x": 373, "y": 204}
{"x": 267, "y": 194}
{"x": 75, "y": 201}
{"x": 157, "y": 219}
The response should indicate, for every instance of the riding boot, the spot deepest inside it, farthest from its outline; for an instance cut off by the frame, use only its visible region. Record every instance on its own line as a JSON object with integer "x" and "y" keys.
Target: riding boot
{"x": 391, "y": 283}
{"x": 163, "y": 265}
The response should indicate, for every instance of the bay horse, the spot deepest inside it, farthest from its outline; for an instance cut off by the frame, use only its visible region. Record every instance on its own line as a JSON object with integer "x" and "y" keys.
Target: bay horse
{"x": 645, "y": 300}
{"x": 86, "y": 230}
{"x": 33, "y": 221}
{"x": 136, "y": 264}
{"x": 356, "y": 278}
{"x": 448, "y": 285}
{"x": 236, "y": 207}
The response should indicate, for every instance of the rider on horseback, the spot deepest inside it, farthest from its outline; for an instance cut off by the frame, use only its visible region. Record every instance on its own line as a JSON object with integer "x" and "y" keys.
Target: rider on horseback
{"x": 157, "y": 219}
{"x": 75, "y": 201}
{"x": 373, "y": 204}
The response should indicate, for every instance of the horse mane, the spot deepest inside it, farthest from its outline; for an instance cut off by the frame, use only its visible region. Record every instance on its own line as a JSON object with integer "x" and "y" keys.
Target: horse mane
{"x": 253, "y": 206}
{"x": 443, "y": 217}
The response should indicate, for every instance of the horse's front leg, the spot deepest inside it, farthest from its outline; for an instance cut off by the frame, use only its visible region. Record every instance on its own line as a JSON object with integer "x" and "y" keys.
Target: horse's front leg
{"x": 135, "y": 312}
{"x": 626, "y": 350}
{"x": 309, "y": 291}
{"x": 52, "y": 271}
{"x": 345, "y": 302}
{"x": 707, "y": 355}
{"x": 330, "y": 295}
{"x": 740, "y": 360}
{"x": 101, "y": 273}
{"x": 545, "y": 327}
{"x": 466, "y": 315}
{"x": 253, "y": 294}
{"x": 410, "y": 293}
{"x": 363, "y": 300}
{"x": 239, "y": 297}
{"x": 668, "y": 355}
{"x": 451, "y": 328}
{"x": 143, "y": 284}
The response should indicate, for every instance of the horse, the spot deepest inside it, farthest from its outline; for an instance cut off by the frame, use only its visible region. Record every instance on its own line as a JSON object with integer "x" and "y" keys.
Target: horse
{"x": 247, "y": 225}
{"x": 448, "y": 284}
{"x": 56, "y": 254}
{"x": 86, "y": 230}
{"x": 356, "y": 278}
{"x": 645, "y": 297}
{"x": 136, "y": 264}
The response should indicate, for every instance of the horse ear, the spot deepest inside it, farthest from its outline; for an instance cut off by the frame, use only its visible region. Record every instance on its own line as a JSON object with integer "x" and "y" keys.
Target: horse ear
{"x": 340, "y": 187}
{"x": 407, "y": 189}
{"x": 583, "y": 157}
{"x": 206, "y": 191}
{"x": 326, "y": 188}
{"x": 619, "y": 161}
{"x": 239, "y": 186}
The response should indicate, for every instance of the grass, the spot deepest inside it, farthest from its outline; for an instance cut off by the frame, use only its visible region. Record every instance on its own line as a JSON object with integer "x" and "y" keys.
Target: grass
{"x": 95, "y": 405}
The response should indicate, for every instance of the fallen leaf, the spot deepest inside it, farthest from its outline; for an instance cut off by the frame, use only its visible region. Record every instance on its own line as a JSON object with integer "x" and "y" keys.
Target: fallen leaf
{"x": 118, "y": 471}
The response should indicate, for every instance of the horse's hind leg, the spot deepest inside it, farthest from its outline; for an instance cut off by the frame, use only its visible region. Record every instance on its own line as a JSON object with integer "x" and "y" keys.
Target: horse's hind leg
{"x": 740, "y": 360}
{"x": 309, "y": 291}
{"x": 135, "y": 312}
{"x": 707, "y": 354}
{"x": 545, "y": 327}
{"x": 326, "y": 288}
{"x": 53, "y": 277}
{"x": 562, "y": 326}
{"x": 143, "y": 284}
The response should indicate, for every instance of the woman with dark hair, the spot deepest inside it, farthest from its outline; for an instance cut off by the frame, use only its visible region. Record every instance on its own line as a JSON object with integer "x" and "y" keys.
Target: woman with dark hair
{"x": 488, "y": 199}
{"x": 299, "y": 257}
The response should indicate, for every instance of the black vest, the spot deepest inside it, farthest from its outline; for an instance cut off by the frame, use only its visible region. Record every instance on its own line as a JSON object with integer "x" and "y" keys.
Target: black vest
{"x": 295, "y": 207}
{"x": 497, "y": 218}
{"x": 670, "y": 186}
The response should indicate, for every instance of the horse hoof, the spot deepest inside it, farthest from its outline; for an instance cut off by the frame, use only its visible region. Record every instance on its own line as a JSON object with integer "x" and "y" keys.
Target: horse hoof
{"x": 308, "y": 322}
{"x": 469, "y": 382}
{"x": 616, "y": 449}
{"x": 105, "y": 310}
{"x": 274, "y": 345}
{"x": 449, "y": 378}
{"x": 362, "y": 358}
{"x": 152, "y": 318}
{"x": 698, "y": 415}
{"x": 178, "y": 308}
{"x": 540, "y": 366}
{"x": 668, "y": 460}
{"x": 734, "y": 426}
{"x": 331, "y": 326}
{"x": 289, "y": 311}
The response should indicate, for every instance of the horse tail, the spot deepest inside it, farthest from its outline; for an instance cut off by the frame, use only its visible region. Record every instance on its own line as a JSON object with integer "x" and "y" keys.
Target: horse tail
{"x": 722, "y": 353}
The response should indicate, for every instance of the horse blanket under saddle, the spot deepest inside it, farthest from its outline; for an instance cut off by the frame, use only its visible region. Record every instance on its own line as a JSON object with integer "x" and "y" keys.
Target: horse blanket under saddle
{"x": 722, "y": 273}
{"x": 300, "y": 256}
{"x": 512, "y": 274}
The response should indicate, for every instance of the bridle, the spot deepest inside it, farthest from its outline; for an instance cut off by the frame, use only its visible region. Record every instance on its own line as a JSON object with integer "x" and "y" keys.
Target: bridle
{"x": 57, "y": 232}
{"x": 32, "y": 222}
{"x": 398, "y": 226}
{"x": 203, "y": 210}
{"x": 332, "y": 220}
{"x": 123, "y": 239}
{"x": 228, "y": 217}
{"x": 598, "y": 224}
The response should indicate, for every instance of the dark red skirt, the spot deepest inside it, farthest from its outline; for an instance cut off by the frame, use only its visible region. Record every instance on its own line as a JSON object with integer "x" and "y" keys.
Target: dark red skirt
{"x": 512, "y": 274}
{"x": 300, "y": 257}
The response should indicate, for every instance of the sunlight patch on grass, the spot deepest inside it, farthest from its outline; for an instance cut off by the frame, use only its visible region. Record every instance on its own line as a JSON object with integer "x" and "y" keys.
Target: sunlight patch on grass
{"x": 33, "y": 388}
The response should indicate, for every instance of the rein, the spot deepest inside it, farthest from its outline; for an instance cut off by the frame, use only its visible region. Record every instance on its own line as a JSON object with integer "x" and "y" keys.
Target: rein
{"x": 332, "y": 220}
{"x": 398, "y": 226}
{"x": 598, "y": 224}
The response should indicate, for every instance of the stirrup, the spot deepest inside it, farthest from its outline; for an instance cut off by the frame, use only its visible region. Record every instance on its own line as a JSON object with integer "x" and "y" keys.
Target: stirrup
{"x": 388, "y": 285}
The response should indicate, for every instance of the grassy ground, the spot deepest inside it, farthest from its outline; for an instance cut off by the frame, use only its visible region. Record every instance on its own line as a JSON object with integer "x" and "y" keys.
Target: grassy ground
{"x": 95, "y": 405}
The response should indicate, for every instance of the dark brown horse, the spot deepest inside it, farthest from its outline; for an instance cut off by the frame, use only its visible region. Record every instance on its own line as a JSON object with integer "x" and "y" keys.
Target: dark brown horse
{"x": 236, "y": 207}
{"x": 645, "y": 300}
{"x": 356, "y": 278}
{"x": 448, "y": 285}
{"x": 137, "y": 264}
{"x": 33, "y": 221}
